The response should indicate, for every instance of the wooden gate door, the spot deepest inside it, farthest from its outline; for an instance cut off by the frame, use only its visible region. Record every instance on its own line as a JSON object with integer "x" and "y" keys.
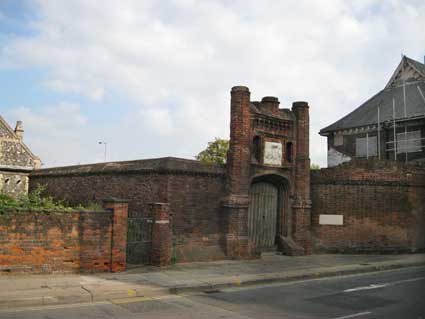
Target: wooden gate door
{"x": 262, "y": 214}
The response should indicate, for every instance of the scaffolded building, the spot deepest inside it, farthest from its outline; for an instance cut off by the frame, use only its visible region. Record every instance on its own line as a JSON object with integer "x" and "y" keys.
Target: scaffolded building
{"x": 390, "y": 125}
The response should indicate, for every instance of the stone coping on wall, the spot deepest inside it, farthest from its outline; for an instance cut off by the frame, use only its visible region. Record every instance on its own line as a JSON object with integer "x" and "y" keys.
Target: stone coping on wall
{"x": 375, "y": 164}
{"x": 165, "y": 165}
{"x": 366, "y": 182}
{"x": 371, "y": 172}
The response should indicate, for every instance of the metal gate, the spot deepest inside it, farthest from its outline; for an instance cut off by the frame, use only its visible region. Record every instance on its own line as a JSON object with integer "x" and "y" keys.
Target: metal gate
{"x": 139, "y": 240}
{"x": 262, "y": 214}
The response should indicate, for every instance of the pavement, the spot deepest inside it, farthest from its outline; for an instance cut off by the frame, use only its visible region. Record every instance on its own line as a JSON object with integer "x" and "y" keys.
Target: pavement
{"x": 390, "y": 294}
{"x": 151, "y": 282}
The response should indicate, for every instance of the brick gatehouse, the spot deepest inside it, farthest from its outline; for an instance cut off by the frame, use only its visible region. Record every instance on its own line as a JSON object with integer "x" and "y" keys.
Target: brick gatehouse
{"x": 259, "y": 201}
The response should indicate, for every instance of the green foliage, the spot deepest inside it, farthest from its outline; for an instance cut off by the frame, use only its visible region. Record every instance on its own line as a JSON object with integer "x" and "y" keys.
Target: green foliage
{"x": 7, "y": 201}
{"x": 314, "y": 167}
{"x": 35, "y": 201}
{"x": 90, "y": 206}
{"x": 216, "y": 152}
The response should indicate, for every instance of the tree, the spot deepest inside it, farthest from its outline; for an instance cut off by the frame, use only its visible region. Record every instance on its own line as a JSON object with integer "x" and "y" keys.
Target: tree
{"x": 314, "y": 167}
{"x": 216, "y": 152}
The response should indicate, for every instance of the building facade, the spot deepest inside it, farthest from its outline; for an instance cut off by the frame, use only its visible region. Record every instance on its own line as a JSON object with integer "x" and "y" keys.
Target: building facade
{"x": 390, "y": 125}
{"x": 16, "y": 160}
{"x": 259, "y": 201}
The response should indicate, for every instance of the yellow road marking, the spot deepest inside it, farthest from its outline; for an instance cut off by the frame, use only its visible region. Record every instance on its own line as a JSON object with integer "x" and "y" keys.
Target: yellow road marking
{"x": 131, "y": 293}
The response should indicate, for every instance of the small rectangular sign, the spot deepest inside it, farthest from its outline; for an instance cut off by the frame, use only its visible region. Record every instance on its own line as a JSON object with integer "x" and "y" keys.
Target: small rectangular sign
{"x": 162, "y": 221}
{"x": 328, "y": 219}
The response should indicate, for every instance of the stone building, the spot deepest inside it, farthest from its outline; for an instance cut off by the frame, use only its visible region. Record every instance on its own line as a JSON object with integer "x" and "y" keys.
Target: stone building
{"x": 390, "y": 125}
{"x": 16, "y": 160}
{"x": 259, "y": 201}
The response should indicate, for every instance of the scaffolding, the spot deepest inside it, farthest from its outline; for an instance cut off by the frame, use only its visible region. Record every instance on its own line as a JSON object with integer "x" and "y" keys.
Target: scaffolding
{"x": 407, "y": 141}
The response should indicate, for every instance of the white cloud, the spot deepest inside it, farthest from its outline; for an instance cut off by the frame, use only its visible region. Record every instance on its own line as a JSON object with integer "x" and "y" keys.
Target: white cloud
{"x": 177, "y": 60}
{"x": 159, "y": 121}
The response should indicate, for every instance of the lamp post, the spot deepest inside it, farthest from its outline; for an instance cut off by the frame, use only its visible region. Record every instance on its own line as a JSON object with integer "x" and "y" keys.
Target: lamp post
{"x": 105, "y": 144}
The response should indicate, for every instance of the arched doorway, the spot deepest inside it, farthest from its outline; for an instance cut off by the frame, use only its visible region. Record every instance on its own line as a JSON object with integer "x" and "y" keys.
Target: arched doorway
{"x": 263, "y": 214}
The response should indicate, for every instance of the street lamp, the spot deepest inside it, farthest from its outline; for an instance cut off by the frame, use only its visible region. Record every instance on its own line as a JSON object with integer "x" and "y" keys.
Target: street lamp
{"x": 105, "y": 144}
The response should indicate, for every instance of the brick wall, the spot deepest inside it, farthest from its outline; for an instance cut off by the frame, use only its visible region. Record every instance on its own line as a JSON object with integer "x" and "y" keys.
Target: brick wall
{"x": 195, "y": 207}
{"x": 49, "y": 242}
{"x": 382, "y": 204}
{"x": 193, "y": 190}
{"x": 140, "y": 189}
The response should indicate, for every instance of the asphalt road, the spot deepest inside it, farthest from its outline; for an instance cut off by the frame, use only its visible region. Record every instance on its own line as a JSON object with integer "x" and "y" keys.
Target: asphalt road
{"x": 390, "y": 294}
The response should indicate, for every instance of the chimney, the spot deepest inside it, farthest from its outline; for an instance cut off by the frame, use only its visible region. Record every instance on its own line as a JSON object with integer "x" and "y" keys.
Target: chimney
{"x": 270, "y": 103}
{"x": 19, "y": 130}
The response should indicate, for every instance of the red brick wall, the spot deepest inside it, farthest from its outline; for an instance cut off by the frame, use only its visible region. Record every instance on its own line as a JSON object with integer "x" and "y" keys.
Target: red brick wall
{"x": 48, "y": 242}
{"x": 39, "y": 241}
{"x": 195, "y": 208}
{"x": 194, "y": 199}
{"x": 382, "y": 203}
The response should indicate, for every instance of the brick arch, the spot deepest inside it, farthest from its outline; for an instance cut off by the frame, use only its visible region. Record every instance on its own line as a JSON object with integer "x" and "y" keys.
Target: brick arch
{"x": 274, "y": 178}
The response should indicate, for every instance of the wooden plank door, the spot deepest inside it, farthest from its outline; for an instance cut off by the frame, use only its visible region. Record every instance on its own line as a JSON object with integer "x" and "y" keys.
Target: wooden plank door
{"x": 262, "y": 214}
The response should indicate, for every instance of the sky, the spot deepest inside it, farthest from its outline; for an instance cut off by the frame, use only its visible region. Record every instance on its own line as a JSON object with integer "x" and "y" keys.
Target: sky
{"x": 153, "y": 78}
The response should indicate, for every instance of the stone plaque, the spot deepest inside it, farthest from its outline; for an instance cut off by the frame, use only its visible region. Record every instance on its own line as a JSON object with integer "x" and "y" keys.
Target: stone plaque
{"x": 273, "y": 153}
{"x": 328, "y": 219}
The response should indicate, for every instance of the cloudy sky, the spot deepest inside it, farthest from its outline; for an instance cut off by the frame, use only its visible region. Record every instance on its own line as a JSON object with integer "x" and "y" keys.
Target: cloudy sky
{"x": 152, "y": 78}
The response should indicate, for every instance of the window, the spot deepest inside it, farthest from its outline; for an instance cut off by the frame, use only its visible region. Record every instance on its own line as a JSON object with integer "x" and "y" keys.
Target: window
{"x": 361, "y": 147}
{"x": 366, "y": 146}
{"x": 338, "y": 139}
{"x": 408, "y": 142}
{"x": 256, "y": 148}
{"x": 288, "y": 152}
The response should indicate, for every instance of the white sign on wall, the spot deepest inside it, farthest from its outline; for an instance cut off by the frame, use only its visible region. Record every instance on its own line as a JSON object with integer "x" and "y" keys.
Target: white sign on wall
{"x": 273, "y": 153}
{"x": 328, "y": 219}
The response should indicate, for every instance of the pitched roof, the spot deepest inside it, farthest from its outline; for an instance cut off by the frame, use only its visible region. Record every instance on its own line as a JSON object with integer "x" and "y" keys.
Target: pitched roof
{"x": 12, "y": 133}
{"x": 407, "y": 69}
{"x": 367, "y": 113}
{"x": 420, "y": 67}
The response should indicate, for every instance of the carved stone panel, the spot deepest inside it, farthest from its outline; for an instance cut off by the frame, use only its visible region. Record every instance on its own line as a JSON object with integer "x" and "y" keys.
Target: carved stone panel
{"x": 273, "y": 153}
